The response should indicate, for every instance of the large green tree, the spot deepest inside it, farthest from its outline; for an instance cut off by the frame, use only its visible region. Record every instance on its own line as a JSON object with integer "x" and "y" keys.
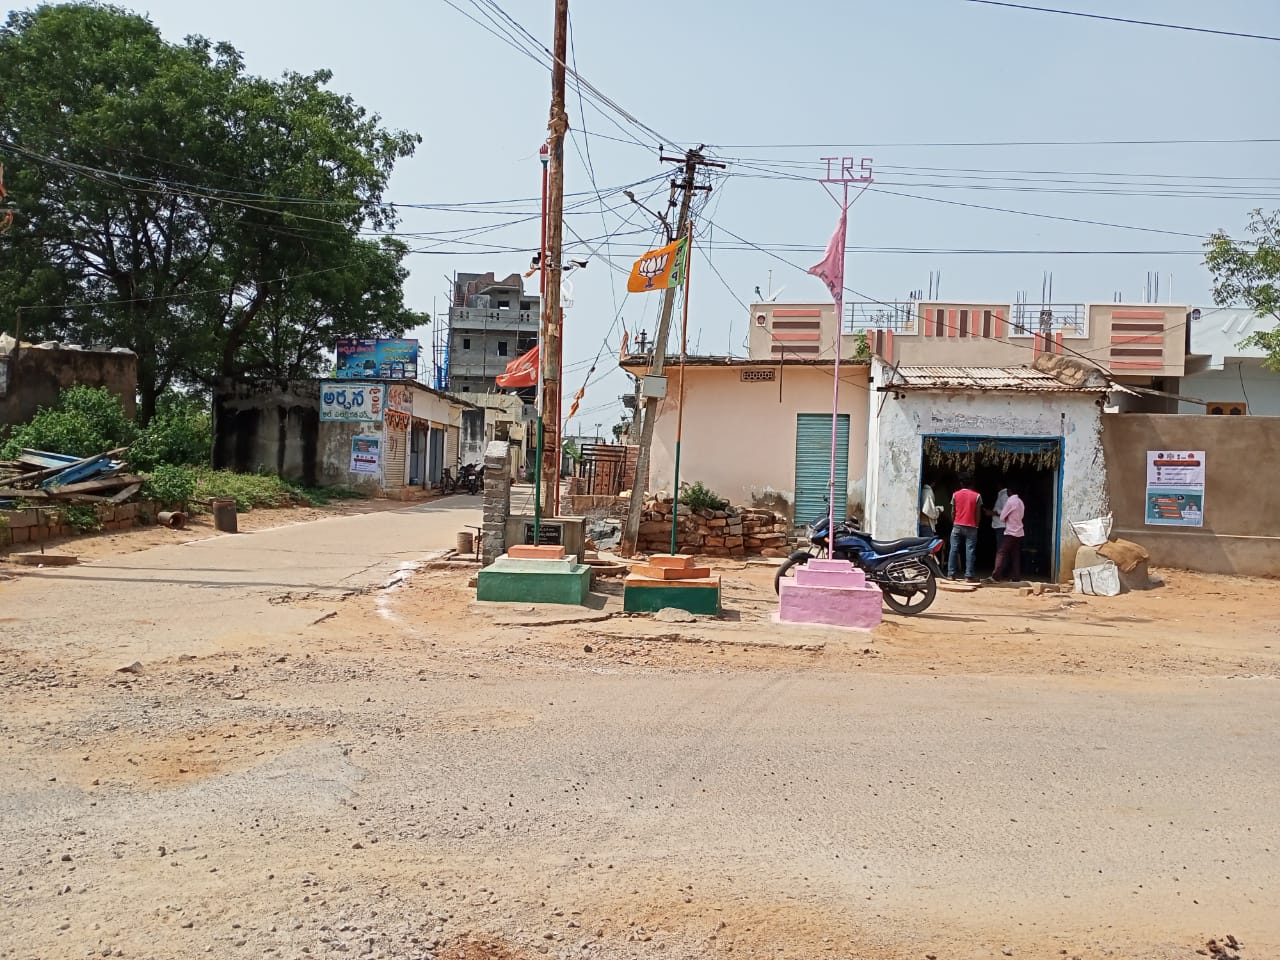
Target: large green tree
{"x": 217, "y": 223}
{"x": 1248, "y": 272}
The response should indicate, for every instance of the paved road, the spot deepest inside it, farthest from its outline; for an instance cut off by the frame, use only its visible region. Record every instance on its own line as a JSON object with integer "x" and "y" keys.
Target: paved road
{"x": 191, "y": 597}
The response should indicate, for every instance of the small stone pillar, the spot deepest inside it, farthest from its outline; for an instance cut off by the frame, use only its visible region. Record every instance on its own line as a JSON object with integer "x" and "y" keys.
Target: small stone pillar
{"x": 497, "y": 500}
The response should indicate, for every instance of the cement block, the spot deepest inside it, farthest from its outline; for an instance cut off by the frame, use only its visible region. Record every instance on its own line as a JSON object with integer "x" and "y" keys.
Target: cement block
{"x": 702, "y": 598}
{"x": 518, "y": 586}
{"x": 860, "y": 608}
{"x": 509, "y": 564}
{"x": 824, "y": 576}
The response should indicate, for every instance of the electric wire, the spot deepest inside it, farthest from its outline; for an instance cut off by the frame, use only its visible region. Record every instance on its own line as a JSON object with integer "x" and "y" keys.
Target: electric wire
{"x": 1141, "y": 23}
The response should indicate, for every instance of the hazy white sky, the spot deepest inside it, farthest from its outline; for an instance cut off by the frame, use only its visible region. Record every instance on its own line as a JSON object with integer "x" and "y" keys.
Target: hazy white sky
{"x": 750, "y": 78}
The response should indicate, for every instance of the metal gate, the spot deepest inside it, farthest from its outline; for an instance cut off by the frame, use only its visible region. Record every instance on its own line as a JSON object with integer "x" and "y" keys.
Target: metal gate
{"x": 604, "y": 468}
{"x": 813, "y": 466}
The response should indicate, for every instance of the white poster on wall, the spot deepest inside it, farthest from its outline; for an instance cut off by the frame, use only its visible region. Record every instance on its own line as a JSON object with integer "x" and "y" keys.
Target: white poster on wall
{"x": 366, "y": 455}
{"x": 1175, "y": 488}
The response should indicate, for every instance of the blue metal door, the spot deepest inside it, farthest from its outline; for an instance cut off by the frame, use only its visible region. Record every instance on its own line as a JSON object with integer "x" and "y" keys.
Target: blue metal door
{"x": 813, "y": 466}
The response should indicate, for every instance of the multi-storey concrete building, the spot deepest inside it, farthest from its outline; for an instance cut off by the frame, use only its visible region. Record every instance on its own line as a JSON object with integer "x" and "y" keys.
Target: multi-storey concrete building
{"x": 491, "y": 322}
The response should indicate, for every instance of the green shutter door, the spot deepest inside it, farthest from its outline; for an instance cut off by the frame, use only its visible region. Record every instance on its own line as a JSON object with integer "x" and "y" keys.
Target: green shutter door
{"x": 813, "y": 465}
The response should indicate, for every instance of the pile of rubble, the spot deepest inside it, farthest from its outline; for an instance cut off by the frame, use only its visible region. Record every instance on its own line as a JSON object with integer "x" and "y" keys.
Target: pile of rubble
{"x": 732, "y": 532}
{"x": 38, "y": 475}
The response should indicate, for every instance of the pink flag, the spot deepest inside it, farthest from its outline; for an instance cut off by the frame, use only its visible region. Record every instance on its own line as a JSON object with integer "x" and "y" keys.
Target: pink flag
{"x": 831, "y": 270}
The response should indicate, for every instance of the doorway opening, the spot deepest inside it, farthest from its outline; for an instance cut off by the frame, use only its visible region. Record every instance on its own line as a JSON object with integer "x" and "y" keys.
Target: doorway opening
{"x": 1033, "y": 463}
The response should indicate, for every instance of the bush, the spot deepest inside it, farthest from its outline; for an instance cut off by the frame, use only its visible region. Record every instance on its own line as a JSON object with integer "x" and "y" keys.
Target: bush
{"x": 696, "y": 496}
{"x": 180, "y": 433}
{"x": 249, "y": 490}
{"x": 82, "y": 519}
{"x": 173, "y": 486}
{"x": 84, "y": 422}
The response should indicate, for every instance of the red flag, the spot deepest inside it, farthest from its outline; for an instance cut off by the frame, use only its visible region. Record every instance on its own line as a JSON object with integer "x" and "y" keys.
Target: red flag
{"x": 831, "y": 270}
{"x": 521, "y": 372}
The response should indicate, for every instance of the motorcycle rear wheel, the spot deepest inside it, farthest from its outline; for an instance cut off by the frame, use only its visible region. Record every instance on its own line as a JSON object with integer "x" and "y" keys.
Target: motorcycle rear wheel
{"x": 910, "y": 604}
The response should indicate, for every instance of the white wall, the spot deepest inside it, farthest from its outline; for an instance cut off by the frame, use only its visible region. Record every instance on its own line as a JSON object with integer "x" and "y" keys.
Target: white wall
{"x": 740, "y": 437}
{"x": 1260, "y": 388}
{"x": 899, "y": 429}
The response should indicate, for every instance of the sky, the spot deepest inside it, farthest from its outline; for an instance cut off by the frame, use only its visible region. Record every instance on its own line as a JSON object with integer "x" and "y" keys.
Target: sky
{"x": 956, "y": 102}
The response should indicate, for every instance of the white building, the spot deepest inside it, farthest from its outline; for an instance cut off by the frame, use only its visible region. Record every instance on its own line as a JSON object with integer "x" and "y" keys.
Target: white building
{"x": 934, "y": 424}
{"x": 1230, "y": 378}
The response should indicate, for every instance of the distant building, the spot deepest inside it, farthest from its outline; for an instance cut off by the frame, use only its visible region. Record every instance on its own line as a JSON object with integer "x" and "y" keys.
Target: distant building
{"x": 33, "y": 375}
{"x": 491, "y": 322}
{"x": 1229, "y": 378}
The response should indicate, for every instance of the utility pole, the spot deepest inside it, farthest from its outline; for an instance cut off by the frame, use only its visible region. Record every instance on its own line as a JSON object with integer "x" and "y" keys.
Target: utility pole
{"x": 692, "y": 160}
{"x": 549, "y": 339}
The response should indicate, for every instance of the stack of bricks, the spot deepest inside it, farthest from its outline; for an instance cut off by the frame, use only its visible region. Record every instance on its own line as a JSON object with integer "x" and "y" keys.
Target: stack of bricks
{"x": 38, "y": 524}
{"x": 732, "y": 532}
{"x": 497, "y": 501}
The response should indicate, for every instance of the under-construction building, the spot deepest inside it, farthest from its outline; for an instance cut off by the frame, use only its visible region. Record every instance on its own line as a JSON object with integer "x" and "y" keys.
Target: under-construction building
{"x": 491, "y": 322}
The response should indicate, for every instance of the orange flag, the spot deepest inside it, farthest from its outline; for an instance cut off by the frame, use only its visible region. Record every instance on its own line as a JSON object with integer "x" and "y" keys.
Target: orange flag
{"x": 521, "y": 372}
{"x": 658, "y": 269}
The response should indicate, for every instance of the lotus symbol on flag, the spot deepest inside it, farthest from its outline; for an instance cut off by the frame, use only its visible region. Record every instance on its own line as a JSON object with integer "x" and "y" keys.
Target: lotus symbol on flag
{"x": 650, "y": 267}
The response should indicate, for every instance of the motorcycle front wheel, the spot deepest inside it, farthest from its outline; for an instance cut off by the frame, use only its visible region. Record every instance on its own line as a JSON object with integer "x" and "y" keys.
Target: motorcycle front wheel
{"x": 788, "y": 568}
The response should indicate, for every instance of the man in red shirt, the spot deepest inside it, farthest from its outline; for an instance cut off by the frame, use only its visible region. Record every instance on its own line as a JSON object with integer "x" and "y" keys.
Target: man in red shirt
{"x": 966, "y": 509}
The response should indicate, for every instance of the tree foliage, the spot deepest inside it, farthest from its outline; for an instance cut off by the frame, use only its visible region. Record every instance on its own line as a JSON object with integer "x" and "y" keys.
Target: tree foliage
{"x": 1248, "y": 272}
{"x": 218, "y": 222}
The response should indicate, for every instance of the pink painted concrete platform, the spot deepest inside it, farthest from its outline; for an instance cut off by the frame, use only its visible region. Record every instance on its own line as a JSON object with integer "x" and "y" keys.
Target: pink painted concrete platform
{"x": 833, "y": 593}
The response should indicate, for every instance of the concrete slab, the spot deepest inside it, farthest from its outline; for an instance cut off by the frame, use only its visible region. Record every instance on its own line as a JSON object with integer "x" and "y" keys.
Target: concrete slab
{"x": 653, "y": 572}
{"x": 506, "y": 585}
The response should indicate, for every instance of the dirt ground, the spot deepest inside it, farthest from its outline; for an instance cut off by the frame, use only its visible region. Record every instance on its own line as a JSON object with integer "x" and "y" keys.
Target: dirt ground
{"x": 415, "y": 775}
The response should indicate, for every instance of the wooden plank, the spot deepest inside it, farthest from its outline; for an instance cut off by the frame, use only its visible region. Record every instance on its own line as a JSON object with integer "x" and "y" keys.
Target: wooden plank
{"x": 126, "y": 493}
{"x": 24, "y": 494}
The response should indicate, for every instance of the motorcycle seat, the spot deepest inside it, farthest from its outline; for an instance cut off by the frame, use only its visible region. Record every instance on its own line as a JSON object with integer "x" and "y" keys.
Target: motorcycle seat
{"x": 893, "y": 546}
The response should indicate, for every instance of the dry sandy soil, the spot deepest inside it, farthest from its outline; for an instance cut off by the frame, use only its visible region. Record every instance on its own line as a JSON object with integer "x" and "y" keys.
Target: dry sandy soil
{"x": 410, "y": 774}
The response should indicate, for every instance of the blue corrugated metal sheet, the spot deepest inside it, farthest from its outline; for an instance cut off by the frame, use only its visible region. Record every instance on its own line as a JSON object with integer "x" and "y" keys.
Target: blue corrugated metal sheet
{"x": 813, "y": 465}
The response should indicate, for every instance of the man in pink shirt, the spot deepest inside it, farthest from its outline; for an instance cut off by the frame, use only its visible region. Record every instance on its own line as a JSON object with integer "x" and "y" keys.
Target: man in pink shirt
{"x": 1009, "y": 556}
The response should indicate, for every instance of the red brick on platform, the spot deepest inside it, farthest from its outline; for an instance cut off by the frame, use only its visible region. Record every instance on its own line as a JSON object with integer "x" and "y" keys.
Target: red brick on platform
{"x": 672, "y": 561}
{"x": 522, "y": 551}
{"x": 670, "y": 573}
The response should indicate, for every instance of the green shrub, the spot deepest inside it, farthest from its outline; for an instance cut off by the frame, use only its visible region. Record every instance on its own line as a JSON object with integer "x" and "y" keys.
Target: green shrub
{"x": 180, "y": 433}
{"x": 80, "y": 518}
{"x": 696, "y": 496}
{"x": 85, "y": 421}
{"x": 173, "y": 486}
{"x": 249, "y": 490}
{"x": 320, "y": 496}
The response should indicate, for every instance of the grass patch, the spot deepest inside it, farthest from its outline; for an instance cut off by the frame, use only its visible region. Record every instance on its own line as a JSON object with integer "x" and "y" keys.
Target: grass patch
{"x": 248, "y": 490}
{"x": 322, "y": 496}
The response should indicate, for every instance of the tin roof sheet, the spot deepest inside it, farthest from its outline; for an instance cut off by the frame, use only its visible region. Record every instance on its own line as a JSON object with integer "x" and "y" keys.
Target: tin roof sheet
{"x": 1017, "y": 379}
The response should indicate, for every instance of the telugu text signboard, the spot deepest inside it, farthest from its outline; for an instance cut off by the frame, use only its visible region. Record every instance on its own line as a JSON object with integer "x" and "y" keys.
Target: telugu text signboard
{"x": 366, "y": 455}
{"x": 388, "y": 359}
{"x": 351, "y": 402}
{"x": 1175, "y": 488}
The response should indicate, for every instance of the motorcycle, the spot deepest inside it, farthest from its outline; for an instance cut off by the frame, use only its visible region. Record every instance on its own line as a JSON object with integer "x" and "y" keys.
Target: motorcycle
{"x": 906, "y": 571}
{"x": 471, "y": 478}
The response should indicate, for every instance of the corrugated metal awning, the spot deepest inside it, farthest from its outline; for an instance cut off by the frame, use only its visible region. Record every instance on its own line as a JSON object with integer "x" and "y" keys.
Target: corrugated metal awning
{"x": 1013, "y": 379}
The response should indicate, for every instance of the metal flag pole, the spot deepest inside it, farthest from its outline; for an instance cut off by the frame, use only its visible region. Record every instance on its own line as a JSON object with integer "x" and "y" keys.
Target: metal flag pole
{"x": 831, "y": 271}
{"x": 684, "y": 352}
{"x": 544, "y": 154}
{"x": 838, "y": 295}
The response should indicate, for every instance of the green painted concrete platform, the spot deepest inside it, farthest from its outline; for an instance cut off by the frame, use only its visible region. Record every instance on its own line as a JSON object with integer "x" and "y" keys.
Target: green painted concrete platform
{"x": 534, "y": 581}
{"x": 641, "y": 595}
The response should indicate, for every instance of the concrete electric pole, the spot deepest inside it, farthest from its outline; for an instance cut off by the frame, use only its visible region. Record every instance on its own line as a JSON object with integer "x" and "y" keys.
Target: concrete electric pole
{"x": 692, "y": 160}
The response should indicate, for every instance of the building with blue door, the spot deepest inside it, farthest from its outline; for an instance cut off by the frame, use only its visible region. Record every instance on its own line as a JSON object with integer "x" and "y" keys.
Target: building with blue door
{"x": 996, "y": 424}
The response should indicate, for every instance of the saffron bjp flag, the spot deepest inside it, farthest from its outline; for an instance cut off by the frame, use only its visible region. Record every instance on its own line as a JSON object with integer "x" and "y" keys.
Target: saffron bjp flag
{"x": 831, "y": 269}
{"x": 658, "y": 269}
{"x": 520, "y": 372}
